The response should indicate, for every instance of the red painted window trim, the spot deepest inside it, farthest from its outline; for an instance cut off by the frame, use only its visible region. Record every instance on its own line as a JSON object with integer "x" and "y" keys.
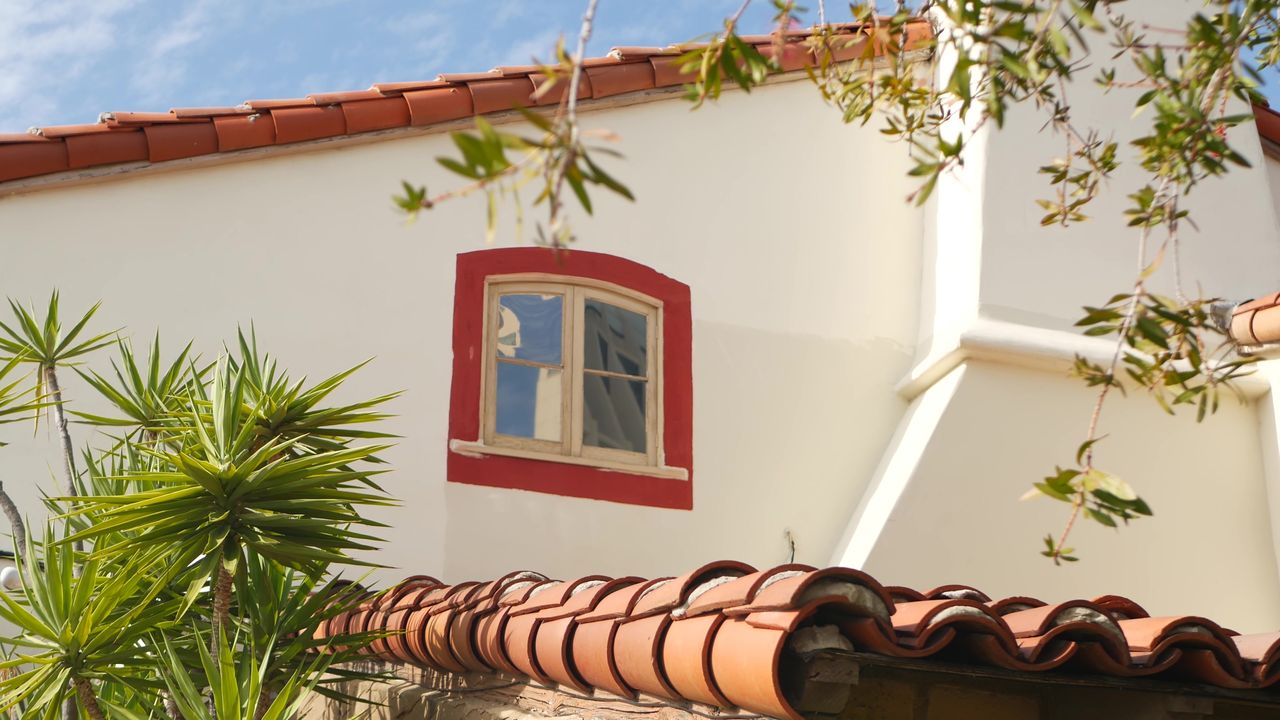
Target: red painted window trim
{"x": 548, "y": 476}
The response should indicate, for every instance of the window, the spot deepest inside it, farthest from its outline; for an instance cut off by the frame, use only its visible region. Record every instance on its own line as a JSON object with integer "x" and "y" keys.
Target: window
{"x": 578, "y": 388}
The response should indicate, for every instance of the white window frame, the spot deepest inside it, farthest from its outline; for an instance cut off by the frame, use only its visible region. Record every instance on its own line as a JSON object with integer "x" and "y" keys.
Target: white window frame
{"x": 570, "y": 449}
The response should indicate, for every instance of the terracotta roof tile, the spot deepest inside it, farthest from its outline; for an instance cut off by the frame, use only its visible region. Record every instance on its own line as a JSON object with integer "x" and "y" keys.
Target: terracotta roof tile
{"x": 332, "y": 98}
{"x": 435, "y": 105}
{"x": 143, "y": 118}
{"x": 280, "y": 103}
{"x": 380, "y": 114}
{"x": 240, "y": 132}
{"x": 23, "y": 137}
{"x": 452, "y": 96}
{"x": 26, "y": 159}
{"x": 1257, "y": 322}
{"x": 394, "y": 88}
{"x": 298, "y": 124}
{"x": 171, "y": 142}
{"x": 59, "y": 131}
{"x": 719, "y": 635}
{"x": 619, "y": 78}
{"x": 106, "y": 148}
{"x": 500, "y": 93}
{"x": 203, "y": 112}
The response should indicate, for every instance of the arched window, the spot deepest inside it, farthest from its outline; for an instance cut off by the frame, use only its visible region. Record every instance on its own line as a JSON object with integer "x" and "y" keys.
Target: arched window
{"x": 563, "y": 377}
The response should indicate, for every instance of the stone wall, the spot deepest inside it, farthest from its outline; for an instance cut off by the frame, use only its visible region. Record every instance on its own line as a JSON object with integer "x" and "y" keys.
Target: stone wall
{"x": 835, "y": 688}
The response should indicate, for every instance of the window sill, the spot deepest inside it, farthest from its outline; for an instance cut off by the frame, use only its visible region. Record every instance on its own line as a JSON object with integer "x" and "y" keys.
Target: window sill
{"x": 475, "y": 449}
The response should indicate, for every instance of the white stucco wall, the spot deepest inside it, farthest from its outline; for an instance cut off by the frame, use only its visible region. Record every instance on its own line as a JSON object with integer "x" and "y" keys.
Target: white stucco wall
{"x": 815, "y": 291}
{"x": 804, "y": 283}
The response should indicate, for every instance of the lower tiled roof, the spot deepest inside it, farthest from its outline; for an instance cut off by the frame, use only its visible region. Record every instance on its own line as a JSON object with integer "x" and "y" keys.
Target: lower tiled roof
{"x": 725, "y": 633}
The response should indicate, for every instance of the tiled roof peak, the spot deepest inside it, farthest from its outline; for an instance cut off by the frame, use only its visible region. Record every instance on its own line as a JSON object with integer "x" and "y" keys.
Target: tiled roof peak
{"x": 153, "y": 137}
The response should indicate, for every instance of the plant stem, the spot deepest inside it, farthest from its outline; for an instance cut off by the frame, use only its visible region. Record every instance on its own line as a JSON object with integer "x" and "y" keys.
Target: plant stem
{"x": 15, "y": 520}
{"x": 64, "y": 435}
{"x": 265, "y": 698}
{"x": 60, "y": 422}
{"x": 221, "y": 609}
{"x": 171, "y": 707}
{"x": 90, "y": 701}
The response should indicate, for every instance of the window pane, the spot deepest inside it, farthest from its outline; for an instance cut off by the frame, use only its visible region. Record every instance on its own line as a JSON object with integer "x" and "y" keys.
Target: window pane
{"x": 615, "y": 339}
{"x": 530, "y": 327}
{"x": 528, "y": 400}
{"x": 613, "y": 413}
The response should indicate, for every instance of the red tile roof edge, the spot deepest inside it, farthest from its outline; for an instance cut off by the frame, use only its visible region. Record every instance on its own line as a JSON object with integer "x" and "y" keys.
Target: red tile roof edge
{"x": 724, "y": 634}
{"x": 151, "y": 137}
{"x": 1268, "y": 122}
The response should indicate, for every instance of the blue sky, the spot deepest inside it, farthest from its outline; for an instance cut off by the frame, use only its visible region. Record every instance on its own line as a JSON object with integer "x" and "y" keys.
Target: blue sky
{"x": 65, "y": 61}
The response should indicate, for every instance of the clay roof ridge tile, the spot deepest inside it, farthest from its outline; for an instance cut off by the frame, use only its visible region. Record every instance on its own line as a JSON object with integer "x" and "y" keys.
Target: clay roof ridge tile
{"x": 856, "y": 589}
{"x": 957, "y": 592}
{"x": 670, "y": 595}
{"x": 742, "y": 590}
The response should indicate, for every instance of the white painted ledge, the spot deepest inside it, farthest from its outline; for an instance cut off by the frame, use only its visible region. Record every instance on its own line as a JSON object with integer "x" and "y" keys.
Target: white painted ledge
{"x": 475, "y": 449}
{"x": 1025, "y": 346}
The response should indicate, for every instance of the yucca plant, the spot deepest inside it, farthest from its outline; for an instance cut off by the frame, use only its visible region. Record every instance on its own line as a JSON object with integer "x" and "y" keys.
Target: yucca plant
{"x": 145, "y": 394}
{"x": 76, "y": 632}
{"x": 282, "y": 609}
{"x": 236, "y": 682}
{"x": 288, "y": 410}
{"x": 41, "y": 341}
{"x": 206, "y": 524}
{"x": 229, "y": 490}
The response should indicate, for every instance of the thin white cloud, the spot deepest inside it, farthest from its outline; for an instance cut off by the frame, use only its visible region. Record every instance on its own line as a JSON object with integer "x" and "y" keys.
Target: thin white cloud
{"x": 163, "y": 69}
{"x": 45, "y": 45}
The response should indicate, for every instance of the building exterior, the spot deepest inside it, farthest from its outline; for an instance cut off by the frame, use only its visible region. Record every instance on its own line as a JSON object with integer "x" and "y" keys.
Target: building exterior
{"x": 770, "y": 356}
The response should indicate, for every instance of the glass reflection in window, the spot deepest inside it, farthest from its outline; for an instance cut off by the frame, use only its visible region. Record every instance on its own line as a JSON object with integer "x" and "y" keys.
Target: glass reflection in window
{"x": 529, "y": 348}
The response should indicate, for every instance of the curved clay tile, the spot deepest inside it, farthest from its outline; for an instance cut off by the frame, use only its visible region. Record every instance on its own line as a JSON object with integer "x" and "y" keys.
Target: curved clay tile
{"x": 595, "y": 640}
{"x": 1120, "y": 607}
{"x": 491, "y": 629}
{"x": 1186, "y": 636}
{"x": 526, "y": 619}
{"x": 852, "y": 587}
{"x": 397, "y": 623}
{"x": 747, "y": 657}
{"x": 437, "y": 635}
{"x": 386, "y": 604}
{"x": 916, "y": 623}
{"x": 1017, "y": 603}
{"x": 904, "y": 594}
{"x": 686, "y": 658}
{"x": 1262, "y": 652}
{"x": 957, "y": 592}
{"x": 553, "y": 642}
{"x": 741, "y": 591}
{"x": 638, "y": 647}
{"x": 669, "y": 596}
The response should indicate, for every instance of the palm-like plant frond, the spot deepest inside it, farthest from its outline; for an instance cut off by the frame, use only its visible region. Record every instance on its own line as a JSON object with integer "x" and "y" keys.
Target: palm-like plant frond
{"x": 279, "y": 602}
{"x": 228, "y": 490}
{"x": 145, "y": 394}
{"x": 43, "y": 341}
{"x": 18, "y": 396}
{"x": 76, "y": 629}
{"x": 290, "y": 410}
{"x": 235, "y": 681}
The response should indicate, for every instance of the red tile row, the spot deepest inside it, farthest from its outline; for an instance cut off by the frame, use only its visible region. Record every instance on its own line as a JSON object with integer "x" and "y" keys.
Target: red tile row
{"x": 728, "y": 635}
{"x": 149, "y": 137}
